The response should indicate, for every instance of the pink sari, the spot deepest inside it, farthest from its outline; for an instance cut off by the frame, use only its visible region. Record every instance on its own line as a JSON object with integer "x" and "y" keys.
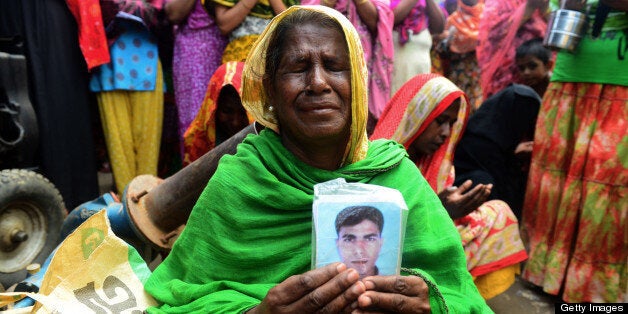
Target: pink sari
{"x": 498, "y": 39}
{"x": 378, "y": 50}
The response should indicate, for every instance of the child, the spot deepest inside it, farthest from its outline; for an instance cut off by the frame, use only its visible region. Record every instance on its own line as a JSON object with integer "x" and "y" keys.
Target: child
{"x": 497, "y": 143}
{"x": 534, "y": 63}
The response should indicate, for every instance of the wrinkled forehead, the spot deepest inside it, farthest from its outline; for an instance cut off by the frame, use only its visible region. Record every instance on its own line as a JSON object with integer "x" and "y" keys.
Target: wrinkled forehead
{"x": 286, "y": 37}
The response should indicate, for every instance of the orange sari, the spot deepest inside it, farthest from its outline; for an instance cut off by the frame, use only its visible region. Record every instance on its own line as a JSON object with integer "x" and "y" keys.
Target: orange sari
{"x": 200, "y": 137}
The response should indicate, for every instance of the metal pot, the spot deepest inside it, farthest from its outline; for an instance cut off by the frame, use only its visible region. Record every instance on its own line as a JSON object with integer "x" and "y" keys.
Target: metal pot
{"x": 565, "y": 29}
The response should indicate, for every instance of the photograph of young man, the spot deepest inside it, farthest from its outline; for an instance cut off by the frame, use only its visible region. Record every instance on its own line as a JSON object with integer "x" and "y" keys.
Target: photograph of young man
{"x": 359, "y": 230}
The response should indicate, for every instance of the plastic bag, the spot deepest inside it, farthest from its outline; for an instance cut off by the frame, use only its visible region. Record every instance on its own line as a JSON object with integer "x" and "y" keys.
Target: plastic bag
{"x": 92, "y": 271}
{"x": 362, "y": 225}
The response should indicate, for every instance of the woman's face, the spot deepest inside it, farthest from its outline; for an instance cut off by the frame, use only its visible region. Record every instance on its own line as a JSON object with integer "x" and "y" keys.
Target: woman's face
{"x": 436, "y": 133}
{"x": 230, "y": 114}
{"x": 311, "y": 90}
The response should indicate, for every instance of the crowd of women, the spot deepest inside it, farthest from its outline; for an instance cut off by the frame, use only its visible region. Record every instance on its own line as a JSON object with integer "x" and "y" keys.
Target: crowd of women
{"x": 506, "y": 169}
{"x": 492, "y": 73}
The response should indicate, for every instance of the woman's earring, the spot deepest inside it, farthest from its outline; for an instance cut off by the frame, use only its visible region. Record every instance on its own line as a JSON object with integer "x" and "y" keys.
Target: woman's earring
{"x": 269, "y": 114}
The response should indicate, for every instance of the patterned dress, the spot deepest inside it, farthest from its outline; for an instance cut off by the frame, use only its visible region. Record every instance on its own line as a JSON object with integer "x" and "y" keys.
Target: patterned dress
{"x": 576, "y": 205}
{"x": 456, "y": 57}
{"x": 198, "y": 47}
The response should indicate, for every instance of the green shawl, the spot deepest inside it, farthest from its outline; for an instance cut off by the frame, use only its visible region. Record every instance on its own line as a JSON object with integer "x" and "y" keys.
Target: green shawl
{"x": 251, "y": 229}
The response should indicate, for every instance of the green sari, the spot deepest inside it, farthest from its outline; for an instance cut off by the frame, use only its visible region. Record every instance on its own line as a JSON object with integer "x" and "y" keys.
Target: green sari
{"x": 251, "y": 229}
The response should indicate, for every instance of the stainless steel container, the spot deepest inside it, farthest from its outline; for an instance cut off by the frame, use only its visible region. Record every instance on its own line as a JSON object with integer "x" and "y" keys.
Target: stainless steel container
{"x": 565, "y": 29}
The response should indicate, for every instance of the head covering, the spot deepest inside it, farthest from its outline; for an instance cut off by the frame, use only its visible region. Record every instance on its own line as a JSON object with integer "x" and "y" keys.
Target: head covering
{"x": 255, "y": 99}
{"x": 200, "y": 137}
{"x": 499, "y": 36}
{"x": 415, "y": 105}
{"x": 378, "y": 48}
{"x": 466, "y": 21}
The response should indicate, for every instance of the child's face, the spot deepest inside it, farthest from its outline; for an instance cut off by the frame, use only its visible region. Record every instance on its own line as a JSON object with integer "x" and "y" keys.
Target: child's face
{"x": 532, "y": 71}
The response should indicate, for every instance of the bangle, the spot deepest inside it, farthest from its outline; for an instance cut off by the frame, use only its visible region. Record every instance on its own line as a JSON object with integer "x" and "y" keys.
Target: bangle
{"x": 360, "y": 2}
{"x": 244, "y": 5}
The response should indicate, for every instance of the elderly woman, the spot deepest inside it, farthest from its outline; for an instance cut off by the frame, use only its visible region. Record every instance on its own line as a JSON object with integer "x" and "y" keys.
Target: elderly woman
{"x": 427, "y": 116}
{"x": 247, "y": 245}
{"x": 373, "y": 19}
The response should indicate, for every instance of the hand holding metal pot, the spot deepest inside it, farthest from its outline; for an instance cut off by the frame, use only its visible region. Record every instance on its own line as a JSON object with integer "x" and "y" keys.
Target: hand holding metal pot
{"x": 621, "y": 5}
{"x": 576, "y": 5}
{"x": 566, "y": 25}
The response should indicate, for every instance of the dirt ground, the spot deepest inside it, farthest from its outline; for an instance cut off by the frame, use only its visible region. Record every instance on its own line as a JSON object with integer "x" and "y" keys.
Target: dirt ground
{"x": 523, "y": 298}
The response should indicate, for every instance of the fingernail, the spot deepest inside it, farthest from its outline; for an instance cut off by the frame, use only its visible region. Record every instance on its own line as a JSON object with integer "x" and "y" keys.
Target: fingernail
{"x": 367, "y": 301}
{"x": 368, "y": 284}
{"x": 353, "y": 275}
{"x": 341, "y": 267}
{"x": 358, "y": 288}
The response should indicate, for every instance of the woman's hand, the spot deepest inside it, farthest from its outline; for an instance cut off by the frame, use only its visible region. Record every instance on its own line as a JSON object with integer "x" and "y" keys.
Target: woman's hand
{"x": 329, "y": 3}
{"x": 177, "y": 11}
{"x": 460, "y": 201}
{"x": 393, "y": 294}
{"x": 537, "y": 4}
{"x": 329, "y": 289}
{"x": 576, "y": 5}
{"x": 401, "y": 11}
{"x": 278, "y": 6}
{"x": 368, "y": 14}
{"x": 524, "y": 149}
{"x": 228, "y": 18}
{"x": 436, "y": 17}
{"x": 533, "y": 5}
{"x": 621, "y": 5}
{"x": 442, "y": 41}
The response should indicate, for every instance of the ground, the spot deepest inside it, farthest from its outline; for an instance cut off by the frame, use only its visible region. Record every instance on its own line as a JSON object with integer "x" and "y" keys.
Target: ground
{"x": 523, "y": 298}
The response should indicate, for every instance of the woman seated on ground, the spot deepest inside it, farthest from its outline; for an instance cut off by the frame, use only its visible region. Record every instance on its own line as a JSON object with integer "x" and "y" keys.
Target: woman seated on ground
{"x": 243, "y": 21}
{"x": 427, "y": 116}
{"x": 497, "y": 143}
{"x": 247, "y": 243}
{"x": 221, "y": 115}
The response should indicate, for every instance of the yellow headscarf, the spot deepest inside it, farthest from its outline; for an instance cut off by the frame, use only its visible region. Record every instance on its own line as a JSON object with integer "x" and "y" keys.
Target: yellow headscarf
{"x": 255, "y": 99}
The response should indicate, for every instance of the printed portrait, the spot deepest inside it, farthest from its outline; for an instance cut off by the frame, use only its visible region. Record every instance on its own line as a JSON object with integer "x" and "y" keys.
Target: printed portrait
{"x": 364, "y": 236}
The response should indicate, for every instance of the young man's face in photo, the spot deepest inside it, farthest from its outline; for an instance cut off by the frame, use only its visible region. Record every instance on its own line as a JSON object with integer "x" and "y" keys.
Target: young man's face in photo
{"x": 359, "y": 246}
